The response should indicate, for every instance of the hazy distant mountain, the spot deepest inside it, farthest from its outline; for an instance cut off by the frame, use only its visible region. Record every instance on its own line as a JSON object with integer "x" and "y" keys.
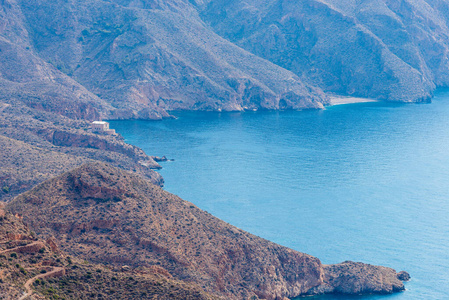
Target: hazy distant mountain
{"x": 26, "y": 77}
{"x": 140, "y": 58}
{"x": 388, "y": 49}
{"x": 144, "y": 57}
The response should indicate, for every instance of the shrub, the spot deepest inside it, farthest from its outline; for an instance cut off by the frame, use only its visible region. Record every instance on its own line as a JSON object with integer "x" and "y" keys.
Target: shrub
{"x": 5, "y": 189}
{"x": 13, "y": 255}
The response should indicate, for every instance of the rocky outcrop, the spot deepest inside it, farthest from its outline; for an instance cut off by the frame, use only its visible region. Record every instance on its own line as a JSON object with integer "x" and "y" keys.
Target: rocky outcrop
{"x": 66, "y": 138}
{"x": 106, "y": 215}
{"x": 358, "y": 278}
{"x": 163, "y": 158}
{"x": 37, "y": 145}
{"x": 404, "y": 276}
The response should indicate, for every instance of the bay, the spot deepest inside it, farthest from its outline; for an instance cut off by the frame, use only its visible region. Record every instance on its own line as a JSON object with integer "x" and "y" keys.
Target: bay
{"x": 364, "y": 182}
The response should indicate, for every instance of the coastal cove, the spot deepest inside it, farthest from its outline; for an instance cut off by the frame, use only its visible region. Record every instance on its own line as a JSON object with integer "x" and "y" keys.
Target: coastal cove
{"x": 363, "y": 182}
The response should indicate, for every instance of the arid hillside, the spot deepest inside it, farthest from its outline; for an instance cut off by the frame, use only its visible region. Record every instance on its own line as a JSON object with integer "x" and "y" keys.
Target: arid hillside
{"x": 26, "y": 76}
{"x": 106, "y": 215}
{"x": 141, "y": 59}
{"x": 96, "y": 222}
{"x": 31, "y": 268}
{"x": 386, "y": 49}
{"x": 36, "y": 145}
{"x": 131, "y": 60}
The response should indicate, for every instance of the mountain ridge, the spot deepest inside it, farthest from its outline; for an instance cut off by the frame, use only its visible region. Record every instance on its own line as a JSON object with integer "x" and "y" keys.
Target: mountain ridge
{"x": 142, "y": 59}
{"x": 368, "y": 49}
{"x": 147, "y": 61}
{"x": 110, "y": 216}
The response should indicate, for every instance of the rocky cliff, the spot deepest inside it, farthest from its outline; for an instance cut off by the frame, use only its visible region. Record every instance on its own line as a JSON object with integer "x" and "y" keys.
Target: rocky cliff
{"x": 140, "y": 59}
{"x": 385, "y": 49}
{"x": 143, "y": 58}
{"x": 36, "y": 145}
{"x": 107, "y": 215}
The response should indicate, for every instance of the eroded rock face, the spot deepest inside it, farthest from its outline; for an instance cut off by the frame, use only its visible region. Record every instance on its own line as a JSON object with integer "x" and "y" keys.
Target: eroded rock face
{"x": 358, "y": 278}
{"x": 143, "y": 60}
{"x": 37, "y": 145}
{"x": 106, "y": 215}
{"x": 40, "y": 85}
{"x": 391, "y": 50}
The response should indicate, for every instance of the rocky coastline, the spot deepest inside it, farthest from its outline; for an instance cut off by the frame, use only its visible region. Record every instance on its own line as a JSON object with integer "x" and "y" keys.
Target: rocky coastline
{"x": 109, "y": 216}
{"x": 92, "y": 202}
{"x": 53, "y": 174}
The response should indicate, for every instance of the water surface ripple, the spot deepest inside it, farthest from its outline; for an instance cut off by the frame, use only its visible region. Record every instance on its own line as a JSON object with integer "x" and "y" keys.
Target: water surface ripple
{"x": 365, "y": 182}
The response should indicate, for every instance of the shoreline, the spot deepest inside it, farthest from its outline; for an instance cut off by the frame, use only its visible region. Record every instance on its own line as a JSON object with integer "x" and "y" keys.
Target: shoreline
{"x": 341, "y": 100}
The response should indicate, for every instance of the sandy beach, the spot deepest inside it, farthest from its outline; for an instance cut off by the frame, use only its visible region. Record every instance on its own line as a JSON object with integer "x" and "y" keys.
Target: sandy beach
{"x": 339, "y": 100}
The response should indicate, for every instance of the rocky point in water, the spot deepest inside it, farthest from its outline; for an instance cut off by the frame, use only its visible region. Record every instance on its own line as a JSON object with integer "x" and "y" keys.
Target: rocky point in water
{"x": 107, "y": 215}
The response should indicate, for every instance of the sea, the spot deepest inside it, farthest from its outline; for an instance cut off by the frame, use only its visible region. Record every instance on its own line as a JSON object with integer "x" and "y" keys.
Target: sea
{"x": 365, "y": 182}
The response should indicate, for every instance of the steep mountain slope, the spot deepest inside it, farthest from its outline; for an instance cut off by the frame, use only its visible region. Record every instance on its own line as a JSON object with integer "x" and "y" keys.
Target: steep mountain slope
{"x": 107, "y": 215}
{"x": 139, "y": 59}
{"x": 26, "y": 76}
{"x": 145, "y": 58}
{"x": 386, "y": 49}
{"x": 36, "y": 269}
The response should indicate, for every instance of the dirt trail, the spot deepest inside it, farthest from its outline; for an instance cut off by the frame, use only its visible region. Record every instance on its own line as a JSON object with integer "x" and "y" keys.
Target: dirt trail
{"x": 55, "y": 272}
{"x": 32, "y": 247}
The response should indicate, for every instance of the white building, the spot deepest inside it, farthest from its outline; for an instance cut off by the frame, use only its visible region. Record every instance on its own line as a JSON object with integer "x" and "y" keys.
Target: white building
{"x": 101, "y": 127}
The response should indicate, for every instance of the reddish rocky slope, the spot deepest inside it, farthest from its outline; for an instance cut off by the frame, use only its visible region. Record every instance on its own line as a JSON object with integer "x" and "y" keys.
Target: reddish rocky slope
{"x": 107, "y": 215}
{"x": 36, "y": 269}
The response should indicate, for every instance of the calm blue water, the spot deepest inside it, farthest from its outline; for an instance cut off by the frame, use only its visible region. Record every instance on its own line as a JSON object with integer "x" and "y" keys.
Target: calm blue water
{"x": 364, "y": 182}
